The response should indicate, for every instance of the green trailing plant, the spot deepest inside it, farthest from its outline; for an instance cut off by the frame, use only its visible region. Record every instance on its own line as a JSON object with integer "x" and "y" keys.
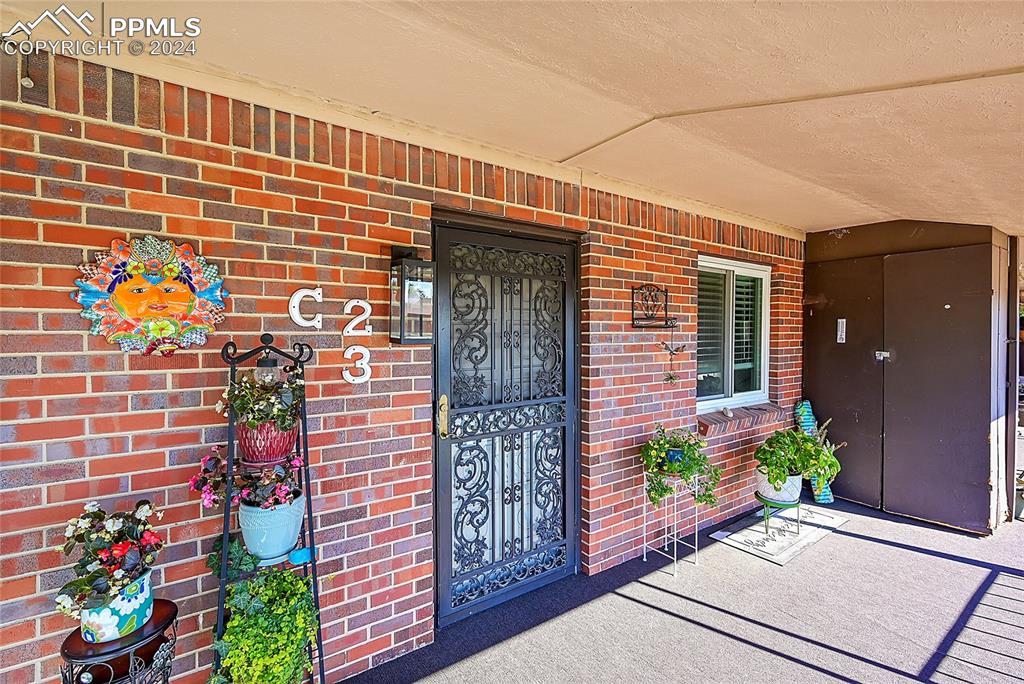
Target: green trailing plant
{"x": 240, "y": 561}
{"x": 677, "y": 454}
{"x": 272, "y": 622}
{"x": 794, "y": 452}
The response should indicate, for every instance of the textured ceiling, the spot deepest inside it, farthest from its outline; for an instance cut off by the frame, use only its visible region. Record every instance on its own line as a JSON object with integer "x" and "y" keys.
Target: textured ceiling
{"x": 809, "y": 115}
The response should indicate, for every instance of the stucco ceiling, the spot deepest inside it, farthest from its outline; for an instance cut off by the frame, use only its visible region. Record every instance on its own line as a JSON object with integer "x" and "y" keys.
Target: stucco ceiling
{"x": 808, "y": 115}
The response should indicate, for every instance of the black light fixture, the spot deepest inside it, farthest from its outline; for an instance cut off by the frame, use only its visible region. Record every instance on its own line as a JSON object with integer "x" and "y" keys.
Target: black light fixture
{"x": 412, "y": 297}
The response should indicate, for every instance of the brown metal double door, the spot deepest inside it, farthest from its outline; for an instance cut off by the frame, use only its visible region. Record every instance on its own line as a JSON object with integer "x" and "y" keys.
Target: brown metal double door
{"x": 910, "y": 387}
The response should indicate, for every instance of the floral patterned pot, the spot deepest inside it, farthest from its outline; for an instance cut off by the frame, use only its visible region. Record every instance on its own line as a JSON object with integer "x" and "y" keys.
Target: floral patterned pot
{"x": 789, "y": 493}
{"x": 127, "y": 612}
{"x": 265, "y": 443}
{"x": 270, "y": 533}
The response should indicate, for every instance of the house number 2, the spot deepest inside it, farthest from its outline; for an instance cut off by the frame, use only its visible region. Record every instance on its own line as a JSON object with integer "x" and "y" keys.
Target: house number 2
{"x": 357, "y": 353}
{"x": 358, "y": 326}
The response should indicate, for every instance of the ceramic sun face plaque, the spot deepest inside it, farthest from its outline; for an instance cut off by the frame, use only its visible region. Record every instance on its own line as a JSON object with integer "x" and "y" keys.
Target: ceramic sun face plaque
{"x": 151, "y": 295}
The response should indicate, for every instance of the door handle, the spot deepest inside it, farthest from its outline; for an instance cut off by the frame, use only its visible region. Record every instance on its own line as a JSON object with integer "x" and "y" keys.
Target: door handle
{"x": 442, "y": 416}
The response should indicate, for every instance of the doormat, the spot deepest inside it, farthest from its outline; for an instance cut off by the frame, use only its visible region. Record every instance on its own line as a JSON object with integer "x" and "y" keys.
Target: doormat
{"x": 782, "y": 543}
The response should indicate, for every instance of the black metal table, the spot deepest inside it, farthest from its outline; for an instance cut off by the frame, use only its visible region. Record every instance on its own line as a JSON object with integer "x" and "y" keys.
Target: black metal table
{"x": 142, "y": 657}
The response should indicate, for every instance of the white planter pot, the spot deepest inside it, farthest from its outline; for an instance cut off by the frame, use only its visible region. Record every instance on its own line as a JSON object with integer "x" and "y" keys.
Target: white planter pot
{"x": 789, "y": 493}
{"x": 270, "y": 533}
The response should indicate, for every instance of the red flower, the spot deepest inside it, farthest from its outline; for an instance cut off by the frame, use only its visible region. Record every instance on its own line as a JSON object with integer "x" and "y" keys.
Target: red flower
{"x": 121, "y": 548}
{"x": 104, "y": 554}
{"x": 151, "y": 538}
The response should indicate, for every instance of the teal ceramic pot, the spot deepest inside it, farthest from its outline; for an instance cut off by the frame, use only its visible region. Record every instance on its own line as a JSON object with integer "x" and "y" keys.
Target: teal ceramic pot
{"x": 127, "y": 612}
{"x": 270, "y": 533}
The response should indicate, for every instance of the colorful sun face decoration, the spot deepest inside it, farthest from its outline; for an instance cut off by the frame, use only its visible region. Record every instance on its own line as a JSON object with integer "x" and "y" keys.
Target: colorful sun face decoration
{"x": 151, "y": 295}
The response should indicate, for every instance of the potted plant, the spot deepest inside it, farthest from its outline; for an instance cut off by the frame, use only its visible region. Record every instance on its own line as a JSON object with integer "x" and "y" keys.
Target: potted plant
{"x": 790, "y": 455}
{"x": 675, "y": 454}
{"x": 266, "y": 412}
{"x": 270, "y": 502}
{"x": 111, "y": 591}
{"x": 271, "y": 623}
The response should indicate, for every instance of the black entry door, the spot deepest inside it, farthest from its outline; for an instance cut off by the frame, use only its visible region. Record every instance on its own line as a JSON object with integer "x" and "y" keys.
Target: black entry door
{"x": 507, "y": 450}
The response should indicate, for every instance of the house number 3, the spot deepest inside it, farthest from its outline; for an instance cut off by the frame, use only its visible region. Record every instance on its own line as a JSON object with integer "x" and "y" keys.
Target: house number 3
{"x": 357, "y": 353}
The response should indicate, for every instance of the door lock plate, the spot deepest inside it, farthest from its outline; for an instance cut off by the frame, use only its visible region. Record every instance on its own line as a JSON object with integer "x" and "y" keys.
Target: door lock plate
{"x": 881, "y": 355}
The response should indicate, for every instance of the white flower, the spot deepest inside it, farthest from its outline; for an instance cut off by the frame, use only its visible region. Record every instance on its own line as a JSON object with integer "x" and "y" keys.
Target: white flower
{"x": 219, "y": 408}
{"x": 143, "y": 512}
{"x": 83, "y": 524}
{"x": 119, "y": 573}
{"x": 113, "y": 524}
{"x": 93, "y": 567}
{"x": 159, "y": 515}
{"x": 92, "y": 506}
{"x": 69, "y": 531}
{"x": 64, "y": 602}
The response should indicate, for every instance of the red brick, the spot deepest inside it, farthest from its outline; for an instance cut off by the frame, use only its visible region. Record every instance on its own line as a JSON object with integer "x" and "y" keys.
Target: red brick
{"x": 67, "y": 84}
{"x": 125, "y": 465}
{"x": 174, "y": 109}
{"x": 220, "y": 120}
{"x": 163, "y": 204}
{"x": 120, "y": 136}
{"x": 213, "y": 174}
{"x": 43, "y": 123}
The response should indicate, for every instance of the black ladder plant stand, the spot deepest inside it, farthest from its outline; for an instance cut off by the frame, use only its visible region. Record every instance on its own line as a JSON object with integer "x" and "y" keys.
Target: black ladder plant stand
{"x": 301, "y": 354}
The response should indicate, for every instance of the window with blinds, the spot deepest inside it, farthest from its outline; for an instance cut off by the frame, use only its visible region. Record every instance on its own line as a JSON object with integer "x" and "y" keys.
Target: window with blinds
{"x": 710, "y": 333}
{"x": 731, "y": 332}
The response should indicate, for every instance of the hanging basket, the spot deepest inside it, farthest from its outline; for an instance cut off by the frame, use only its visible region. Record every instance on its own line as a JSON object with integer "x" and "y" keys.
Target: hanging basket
{"x": 265, "y": 443}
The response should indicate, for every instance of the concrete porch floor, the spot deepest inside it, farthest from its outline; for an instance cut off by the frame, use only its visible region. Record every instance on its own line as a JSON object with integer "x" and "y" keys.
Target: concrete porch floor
{"x": 881, "y": 599}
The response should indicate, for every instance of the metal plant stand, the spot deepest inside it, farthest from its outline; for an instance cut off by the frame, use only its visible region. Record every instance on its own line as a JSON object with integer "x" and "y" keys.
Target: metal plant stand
{"x": 295, "y": 362}
{"x": 142, "y": 657}
{"x": 670, "y": 535}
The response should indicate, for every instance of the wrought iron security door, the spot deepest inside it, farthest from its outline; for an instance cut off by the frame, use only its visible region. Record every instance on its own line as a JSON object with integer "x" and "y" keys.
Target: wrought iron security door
{"x": 506, "y": 426}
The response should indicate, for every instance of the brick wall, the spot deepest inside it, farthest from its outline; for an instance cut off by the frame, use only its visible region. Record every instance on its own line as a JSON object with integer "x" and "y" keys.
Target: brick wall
{"x": 278, "y": 201}
{"x": 624, "y": 393}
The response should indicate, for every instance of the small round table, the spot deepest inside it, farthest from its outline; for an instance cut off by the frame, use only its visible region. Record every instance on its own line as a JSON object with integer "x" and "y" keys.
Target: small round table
{"x": 769, "y": 504}
{"x": 142, "y": 657}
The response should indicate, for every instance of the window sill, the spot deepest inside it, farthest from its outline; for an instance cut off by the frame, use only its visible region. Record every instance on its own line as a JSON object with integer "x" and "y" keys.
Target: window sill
{"x": 717, "y": 423}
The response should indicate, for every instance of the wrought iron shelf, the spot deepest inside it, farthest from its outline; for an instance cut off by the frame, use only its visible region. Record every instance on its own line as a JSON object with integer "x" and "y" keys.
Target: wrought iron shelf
{"x": 142, "y": 657}
{"x": 295, "y": 360}
{"x": 650, "y": 308}
{"x": 670, "y": 534}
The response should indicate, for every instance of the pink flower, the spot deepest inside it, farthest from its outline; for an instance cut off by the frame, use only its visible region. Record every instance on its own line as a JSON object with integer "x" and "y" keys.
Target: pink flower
{"x": 192, "y": 482}
{"x": 209, "y": 497}
{"x": 151, "y": 538}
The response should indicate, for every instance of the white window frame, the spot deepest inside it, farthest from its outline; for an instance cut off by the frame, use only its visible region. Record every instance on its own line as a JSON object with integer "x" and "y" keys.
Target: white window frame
{"x": 731, "y": 269}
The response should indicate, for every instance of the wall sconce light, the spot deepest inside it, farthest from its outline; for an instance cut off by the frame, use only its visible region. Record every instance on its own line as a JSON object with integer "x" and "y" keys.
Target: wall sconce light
{"x": 412, "y": 298}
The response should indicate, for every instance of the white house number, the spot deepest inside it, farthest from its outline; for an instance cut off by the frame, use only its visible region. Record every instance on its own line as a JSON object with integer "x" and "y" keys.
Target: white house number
{"x": 357, "y": 326}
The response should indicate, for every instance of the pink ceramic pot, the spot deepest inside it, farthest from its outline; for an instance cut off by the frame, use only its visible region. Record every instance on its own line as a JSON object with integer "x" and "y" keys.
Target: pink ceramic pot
{"x": 265, "y": 443}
